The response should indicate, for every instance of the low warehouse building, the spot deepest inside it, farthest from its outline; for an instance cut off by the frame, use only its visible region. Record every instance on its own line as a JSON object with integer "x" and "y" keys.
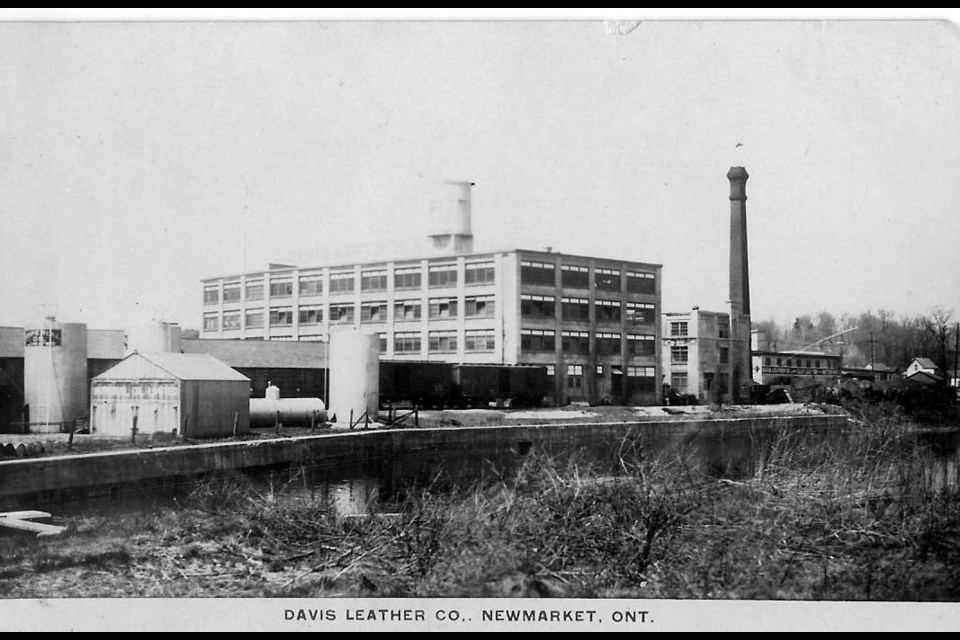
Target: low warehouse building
{"x": 193, "y": 395}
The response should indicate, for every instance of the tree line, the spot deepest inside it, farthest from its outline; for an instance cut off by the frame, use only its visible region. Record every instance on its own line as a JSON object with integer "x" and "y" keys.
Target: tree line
{"x": 880, "y": 338}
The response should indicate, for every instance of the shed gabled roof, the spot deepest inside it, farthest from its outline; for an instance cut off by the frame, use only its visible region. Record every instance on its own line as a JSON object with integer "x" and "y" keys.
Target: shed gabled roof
{"x": 926, "y": 363}
{"x": 262, "y": 354}
{"x": 182, "y": 366}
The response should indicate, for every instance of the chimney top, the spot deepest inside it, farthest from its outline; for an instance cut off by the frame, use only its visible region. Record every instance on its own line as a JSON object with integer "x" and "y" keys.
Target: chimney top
{"x": 737, "y": 173}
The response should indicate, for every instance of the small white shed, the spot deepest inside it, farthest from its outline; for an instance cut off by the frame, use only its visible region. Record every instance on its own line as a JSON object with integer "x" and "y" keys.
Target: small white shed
{"x": 193, "y": 395}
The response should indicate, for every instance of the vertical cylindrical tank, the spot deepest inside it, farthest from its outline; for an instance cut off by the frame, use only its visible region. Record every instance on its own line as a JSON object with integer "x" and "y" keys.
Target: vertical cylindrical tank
{"x": 354, "y": 374}
{"x": 157, "y": 337}
{"x": 450, "y": 208}
{"x": 450, "y": 213}
{"x": 55, "y": 374}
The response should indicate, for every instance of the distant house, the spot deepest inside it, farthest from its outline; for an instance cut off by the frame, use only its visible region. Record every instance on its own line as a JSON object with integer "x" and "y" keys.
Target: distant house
{"x": 921, "y": 365}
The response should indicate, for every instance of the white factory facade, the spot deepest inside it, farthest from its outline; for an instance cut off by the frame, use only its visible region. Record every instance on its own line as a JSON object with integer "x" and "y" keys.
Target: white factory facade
{"x": 594, "y": 323}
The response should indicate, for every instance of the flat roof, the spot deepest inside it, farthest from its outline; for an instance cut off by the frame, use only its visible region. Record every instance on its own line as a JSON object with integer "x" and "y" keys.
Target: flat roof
{"x": 436, "y": 258}
{"x": 261, "y": 354}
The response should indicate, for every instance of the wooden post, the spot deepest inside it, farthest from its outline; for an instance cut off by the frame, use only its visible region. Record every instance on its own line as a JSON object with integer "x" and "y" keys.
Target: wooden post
{"x": 73, "y": 427}
{"x": 351, "y": 419}
{"x": 276, "y": 424}
{"x": 133, "y": 430}
{"x": 236, "y": 419}
{"x": 313, "y": 420}
{"x": 416, "y": 416}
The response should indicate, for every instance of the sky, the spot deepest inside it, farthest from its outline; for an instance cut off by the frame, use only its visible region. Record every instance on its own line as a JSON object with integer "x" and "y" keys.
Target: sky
{"x": 137, "y": 158}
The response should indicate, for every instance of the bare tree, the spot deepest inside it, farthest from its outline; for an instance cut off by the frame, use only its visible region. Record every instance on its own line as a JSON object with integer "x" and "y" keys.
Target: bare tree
{"x": 938, "y": 327}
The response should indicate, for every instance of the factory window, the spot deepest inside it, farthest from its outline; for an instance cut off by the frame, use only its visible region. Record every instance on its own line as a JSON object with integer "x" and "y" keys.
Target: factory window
{"x": 341, "y": 313}
{"x": 678, "y": 329}
{"x": 608, "y": 343}
{"x": 372, "y": 312}
{"x": 254, "y": 290}
{"x": 311, "y": 285}
{"x": 311, "y": 315}
{"x": 211, "y": 322}
{"x": 444, "y": 275}
{"x": 231, "y": 292}
{"x": 373, "y": 280}
{"x": 789, "y": 362}
{"x": 211, "y": 294}
{"x": 478, "y": 306}
{"x": 408, "y": 342}
{"x": 231, "y": 320}
{"x": 679, "y": 382}
{"x": 341, "y": 282}
{"x": 540, "y": 273}
{"x": 779, "y": 362}
{"x": 641, "y": 312}
{"x": 574, "y": 376}
{"x": 281, "y": 316}
{"x": 282, "y": 338}
{"x": 608, "y": 311}
{"x": 641, "y": 282}
{"x": 723, "y": 328}
{"x": 407, "y": 278}
{"x": 724, "y": 355}
{"x": 443, "y": 308}
{"x": 479, "y": 340}
{"x": 575, "y": 277}
{"x": 254, "y": 319}
{"x": 575, "y": 309}
{"x": 406, "y": 310}
{"x": 766, "y": 362}
{"x": 281, "y": 288}
{"x": 816, "y": 363}
{"x": 442, "y": 341}
{"x": 641, "y": 344}
{"x": 383, "y": 342}
{"x": 607, "y": 279}
{"x": 575, "y": 341}
{"x": 537, "y": 306}
{"x": 551, "y": 375}
{"x": 678, "y": 354}
{"x": 478, "y": 273}
{"x": 641, "y": 379}
{"x": 537, "y": 340}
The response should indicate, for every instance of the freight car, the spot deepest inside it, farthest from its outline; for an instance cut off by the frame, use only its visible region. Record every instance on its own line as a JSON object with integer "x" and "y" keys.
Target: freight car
{"x": 440, "y": 385}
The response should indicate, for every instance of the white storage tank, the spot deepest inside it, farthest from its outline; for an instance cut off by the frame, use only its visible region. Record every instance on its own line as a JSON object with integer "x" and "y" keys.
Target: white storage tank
{"x": 354, "y": 375}
{"x": 450, "y": 213}
{"x": 290, "y": 412}
{"x": 55, "y": 374}
{"x": 157, "y": 337}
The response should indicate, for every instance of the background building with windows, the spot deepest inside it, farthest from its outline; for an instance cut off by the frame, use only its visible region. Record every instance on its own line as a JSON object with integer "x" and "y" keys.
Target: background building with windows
{"x": 696, "y": 354}
{"x": 592, "y": 322}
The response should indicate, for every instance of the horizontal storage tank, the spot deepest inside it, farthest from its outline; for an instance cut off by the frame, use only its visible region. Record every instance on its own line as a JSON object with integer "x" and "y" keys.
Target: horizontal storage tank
{"x": 290, "y": 412}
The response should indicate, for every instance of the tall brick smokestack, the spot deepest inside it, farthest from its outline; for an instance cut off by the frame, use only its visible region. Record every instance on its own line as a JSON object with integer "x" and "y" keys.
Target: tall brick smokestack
{"x": 739, "y": 268}
{"x": 740, "y": 337}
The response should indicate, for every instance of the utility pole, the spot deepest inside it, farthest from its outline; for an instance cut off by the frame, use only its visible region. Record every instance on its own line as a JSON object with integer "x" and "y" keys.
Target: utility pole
{"x": 956, "y": 354}
{"x": 873, "y": 362}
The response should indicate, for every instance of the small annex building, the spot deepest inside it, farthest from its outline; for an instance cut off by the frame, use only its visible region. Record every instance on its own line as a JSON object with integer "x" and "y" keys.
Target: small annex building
{"x": 191, "y": 395}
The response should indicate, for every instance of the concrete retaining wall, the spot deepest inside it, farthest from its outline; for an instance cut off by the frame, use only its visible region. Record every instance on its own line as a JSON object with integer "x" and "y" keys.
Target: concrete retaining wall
{"x": 31, "y": 481}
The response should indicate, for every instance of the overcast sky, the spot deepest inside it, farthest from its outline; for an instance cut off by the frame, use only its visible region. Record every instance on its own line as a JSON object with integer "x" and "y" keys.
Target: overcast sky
{"x": 138, "y": 158}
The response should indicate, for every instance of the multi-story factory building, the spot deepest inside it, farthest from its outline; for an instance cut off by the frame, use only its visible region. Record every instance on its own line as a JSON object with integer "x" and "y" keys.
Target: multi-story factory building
{"x": 594, "y": 323}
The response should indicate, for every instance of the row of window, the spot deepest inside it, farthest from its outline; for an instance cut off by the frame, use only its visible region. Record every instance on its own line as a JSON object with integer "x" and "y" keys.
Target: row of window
{"x": 681, "y": 354}
{"x": 539, "y": 340}
{"x": 578, "y": 309}
{"x": 578, "y": 277}
{"x": 480, "y": 273}
{"x": 404, "y": 278}
{"x": 810, "y": 363}
{"x": 370, "y": 312}
{"x": 474, "y": 340}
{"x": 680, "y": 329}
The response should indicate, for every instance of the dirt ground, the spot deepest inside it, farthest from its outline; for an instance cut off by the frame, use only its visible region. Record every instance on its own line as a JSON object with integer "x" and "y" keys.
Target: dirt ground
{"x": 59, "y": 444}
